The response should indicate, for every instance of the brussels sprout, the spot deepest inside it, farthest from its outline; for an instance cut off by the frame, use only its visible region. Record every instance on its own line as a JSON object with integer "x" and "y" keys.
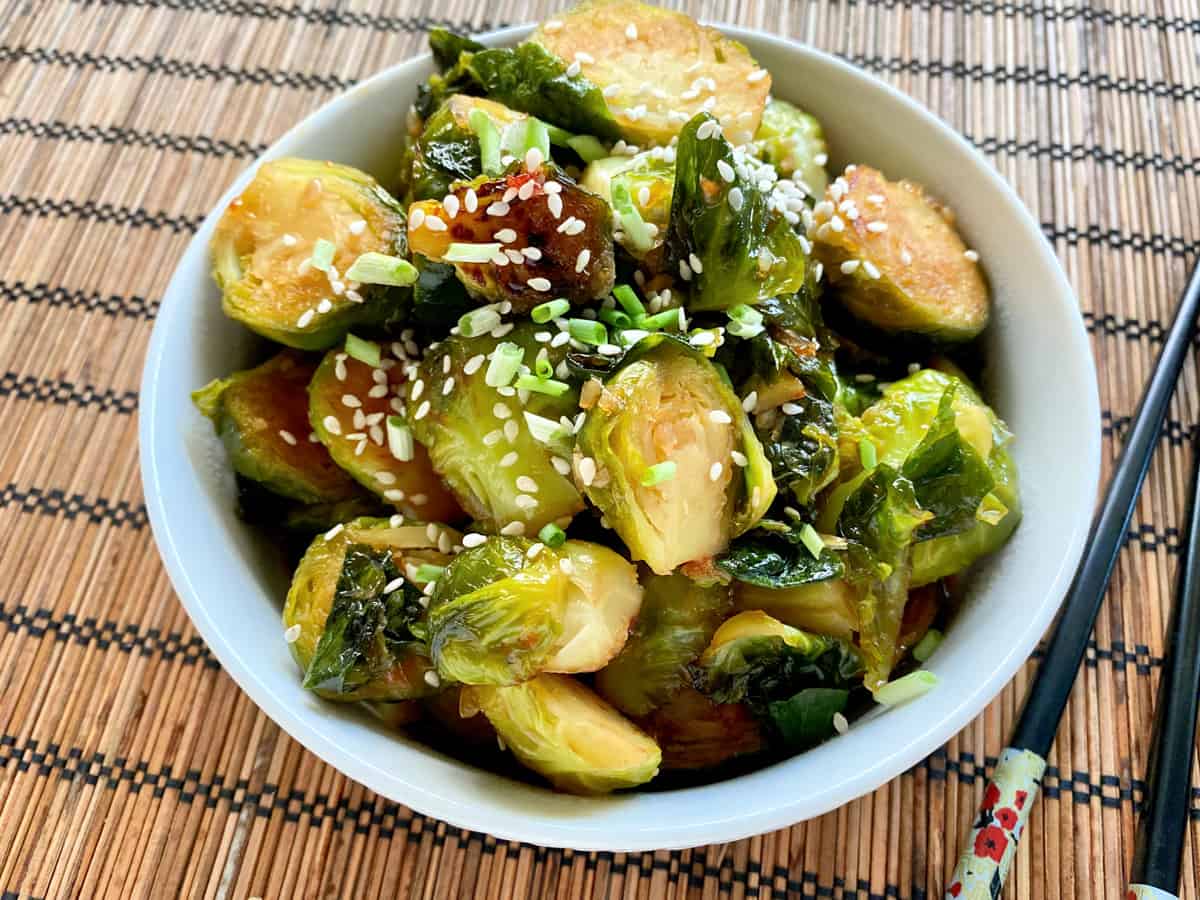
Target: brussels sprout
{"x": 450, "y": 709}
{"x": 647, "y": 180}
{"x": 261, "y": 416}
{"x": 480, "y": 438}
{"x": 792, "y": 141}
{"x": 564, "y": 732}
{"x": 552, "y": 243}
{"x": 658, "y": 68}
{"x": 900, "y": 265}
{"x": 448, "y": 149}
{"x": 741, "y": 235}
{"x": 453, "y": 78}
{"x": 353, "y": 620}
{"x": 395, "y": 713}
{"x": 676, "y": 622}
{"x": 666, "y": 406}
{"x": 263, "y": 249}
{"x": 260, "y": 506}
{"x": 756, "y": 659}
{"x": 354, "y": 408}
{"x": 504, "y": 611}
{"x": 696, "y": 733}
{"x": 822, "y": 607}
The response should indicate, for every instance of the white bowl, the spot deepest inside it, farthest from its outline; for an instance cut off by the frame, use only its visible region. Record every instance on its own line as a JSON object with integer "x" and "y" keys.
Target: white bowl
{"x": 1041, "y": 378}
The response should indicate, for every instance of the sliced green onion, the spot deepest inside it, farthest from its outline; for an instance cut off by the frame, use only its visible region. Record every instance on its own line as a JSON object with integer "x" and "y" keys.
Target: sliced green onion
{"x": 910, "y": 687}
{"x": 589, "y": 148}
{"x": 543, "y": 368}
{"x": 811, "y": 540}
{"x": 545, "y": 431}
{"x": 587, "y": 331}
{"x": 379, "y": 268}
{"x": 745, "y": 321}
{"x": 471, "y": 253}
{"x": 866, "y": 453}
{"x": 631, "y": 220}
{"x": 322, "y": 255}
{"x": 927, "y": 645}
{"x": 489, "y": 141}
{"x": 629, "y": 300}
{"x": 548, "y": 386}
{"x": 558, "y": 136}
{"x": 364, "y": 351}
{"x": 506, "y": 360}
{"x": 551, "y": 309}
{"x": 536, "y": 135}
{"x": 551, "y": 535}
{"x": 992, "y": 510}
{"x": 400, "y": 438}
{"x": 658, "y": 473}
{"x": 427, "y": 572}
{"x": 658, "y": 321}
{"x": 615, "y": 318}
{"x": 631, "y": 336}
{"x": 478, "y": 321}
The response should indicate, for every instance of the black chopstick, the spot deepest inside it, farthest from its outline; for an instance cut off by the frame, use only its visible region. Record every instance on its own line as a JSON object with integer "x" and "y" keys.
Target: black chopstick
{"x": 1009, "y": 796}
{"x": 1164, "y": 821}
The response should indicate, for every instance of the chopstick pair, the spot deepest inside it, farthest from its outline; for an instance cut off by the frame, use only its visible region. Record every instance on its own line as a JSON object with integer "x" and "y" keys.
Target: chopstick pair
{"x": 1010, "y": 794}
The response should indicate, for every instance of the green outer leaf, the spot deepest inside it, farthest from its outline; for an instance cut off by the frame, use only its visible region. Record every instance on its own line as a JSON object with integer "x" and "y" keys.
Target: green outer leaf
{"x": 776, "y": 557}
{"x": 806, "y": 718}
{"x": 447, "y": 46}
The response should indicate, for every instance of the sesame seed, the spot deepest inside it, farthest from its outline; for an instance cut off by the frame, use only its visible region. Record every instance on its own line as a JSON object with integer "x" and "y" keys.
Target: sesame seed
{"x": 417, "y": 219}
{"x": 972, "y": 256}
{"x": 574, "y": 69}
{"x": 498, "y": 208}
{"x": 325, "y": 306}
{"x": 511, "y": 431}
{"x": 533, "y": 159}
{"x": 561, "y": 338}
{"x": 533, "y": 254}
{"x": 292, "y": 634}
{"x": 499, "y": 258}
{"x": 418, "y": 499}
{"x": 501, "y": 411}
{"x": 539, "y": 284}
{"x": 914, "y": 368}
{"x": 471, "y": 200}
{"x": 385, "y": 478}
{"x": 587, "y": 470}
{"x": 750, "y": 401}
{"x": 611, "y": 91}
{"x": 735, "y": 198}
{"x": 702, "y": 339}
{"x": 631, "y": 31}
{"x": 608, "y": 350}
{"x": 906, "y": 257}
{"x": 792, "y": 409}
{"x": 492, "y": 438}
{"x": 525, "y": 501}
{"x": 554, "y": 204}
{"x": 864, "y": 377}
{"x": 305, "y": 318}
{"x": 582, "y": 259}
{"x": 447, "y": 387}
{"x": 714, "y": 471}
{"x": 332, "y": 425}
{"x": 289, "y": 240}
{"x": 695, "y": 264}
{"x": 433, "y": 223}
{"x": 877, "y": 227}
{"x": 850, "y": 266}
{"x": 514, "y": 256}
{"x": 525, "y": 191}
{"x": 333, "y": 532}
{"x": 870, "y": 268}
{"x": 513, "y": 529}
{"x": 312, "y": 438}
{"x": 417, "y": 389}
{"x": 432, "y": 679}
{"x": 473, "y": 539}
{"x": 726, "y": 170}
{"x": 552, "y": 26}
{"x": 685, "y": 271}
{"x": 581, "y": 56}
{"x": 534, "y": 550}
{"x": 360, "y": 421}
{"x": 351, "y": 401}
{"x": 287, "y": 436}
{"x": 836, "y": 223}
{"x": 561, "y": 466}
{"x": 756, "y": 76}
{"x": 720, "y": 417}
{"x": 644, "y": 195}
{"x": 422, "y": 411}
{"x": 840, "y": 725}
{"x": 473, "y": 364}
{"x": 877, "y": 199}
{"x": 739, "y": 459}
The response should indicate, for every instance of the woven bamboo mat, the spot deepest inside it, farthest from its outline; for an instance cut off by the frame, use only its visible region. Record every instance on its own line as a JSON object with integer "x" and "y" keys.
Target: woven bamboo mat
{"x": 130, "y": 764}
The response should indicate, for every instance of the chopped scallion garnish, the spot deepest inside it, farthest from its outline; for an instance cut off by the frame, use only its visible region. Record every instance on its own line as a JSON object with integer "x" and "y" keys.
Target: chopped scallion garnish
{"x": 506, "y": 361}
{"x": 558, "y": 136}
{"x": 364, "y": 351}
{"x": 909, "y": 687}
{"x": 866, "y": 453}
{"x": 478, "y": 321}
{"x": 400, "y": 438}
{"x": 548, "y": 386}
{"x": 551, "y": 309}
{"x": 427, "y": 572}
{"x": 552, "y": 536}
{"x": 631, "y": 220}
{"x": 616, "y": 318}
{"x": 658, "y": 473}
{"x": 745, "y": 321}
{"x": 322, "y": 255}
{"x": 992, "y": 510}
{"x": 379, "y": 268}
{"x": 927, "y": 645}
{"x": 812, "y": 540}
{"x": 489, "y": 141}
{"x": 545, "y": 431}
{"x": 589, "y": 148}
{"x": 536, "y": 135}
{"x": 471, "y": 253}
{"x": 629, "y": 300}
{"x": 666, "y": 319}
{"x": 543, "y": 368}
{"x": 587, "y": 331}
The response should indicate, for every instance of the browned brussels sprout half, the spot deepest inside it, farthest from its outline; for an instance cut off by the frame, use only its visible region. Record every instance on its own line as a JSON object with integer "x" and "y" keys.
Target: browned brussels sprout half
{"x": 357, "y": 410}
{"x": 283, "y": 247}
{"x": 696, "y": 733}
{"x": 526, "y": 238}
{"x": 261, "y": 416}
{"x": 669, "y": 457}
{"x": 564, "y": 732}
{"x": 899, "y": 263}
{"x": 354, "y": 615}
{"x": 448, "y": 149}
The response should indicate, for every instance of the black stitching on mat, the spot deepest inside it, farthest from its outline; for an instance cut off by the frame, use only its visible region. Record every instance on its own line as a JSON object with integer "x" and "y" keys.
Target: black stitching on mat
{"x": 1066, "y": 13}
{"x": 57, "y": 502}
{"x": 1174, "y": 432}
{"x": 130, "y": 306}
{"x": 61, "y": 392}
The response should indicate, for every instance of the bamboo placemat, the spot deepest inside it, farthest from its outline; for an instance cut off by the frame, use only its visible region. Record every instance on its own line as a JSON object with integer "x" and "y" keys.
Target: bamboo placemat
{"x": 130, "y": 764}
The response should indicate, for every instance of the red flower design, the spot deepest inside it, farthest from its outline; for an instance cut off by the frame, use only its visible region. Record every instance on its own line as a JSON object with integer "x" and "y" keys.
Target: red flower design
{"x": 1019, "y": 803}
{"x": 990, "y": 843}
{"x": 1007, "y": 818}
{"x": 991, "y": 796}
{"x": 955, "y": 889}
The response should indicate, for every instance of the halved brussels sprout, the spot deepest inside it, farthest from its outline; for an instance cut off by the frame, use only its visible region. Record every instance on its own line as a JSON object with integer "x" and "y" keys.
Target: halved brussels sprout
{"x": 647, "y": 180}
{"x": 669, "y": 457}
{"x": 658, "y": 68}
{"x": 452, "y": 711}
{"x": 696, "y": 733}
{"x": 480, "y": 439}
{"x": 564, "y": 732}
{"x": 504, "y": 611}
{"x": 822, "y": 607}
{"x": 678, "y": 618}
{"x": 549, "y": 238}
{"x": 351, "y": 613}
{"x": 350, "y": 403}
{"x": 264, "y": 244}
{"x": 261, "y": 506}
{"x": 448, "y": 149}
{"x": 261, "y": 416}
{"x": 394, "y": 713}
{"x": 792, "y": 141}
{"x": 899, "y": 263}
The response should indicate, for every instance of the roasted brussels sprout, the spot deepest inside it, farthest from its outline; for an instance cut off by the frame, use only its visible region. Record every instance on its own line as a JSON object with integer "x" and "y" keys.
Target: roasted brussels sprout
{"x": 792, "y": 141}
{"x": 261, "y": 416}
{"x": 555, "y": 242}
{"x": 822, "y": 607}
{"x": 731, "y": 239}
{"x": 450, "y": 709}
{"x": 353, "y": 617}
{"x": 447, "y": 150}
{"x": 564, "y": 732}
{"x": 509, "y": 609}
{"x": 266, "y": 251}
{"x": 898, "y": 262}
{"x": 483, "y": 441}
{"x": 260, "y": 506}
{"x": 669, "y": 457}
{"x": 643, "y": 184}
{"x": 353, "y": 407}
{"x": 696, "y": 733}
{"x": 658, "y": 68}
{"x": 780, "y": 555}
{"x": 677, "y": 620}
